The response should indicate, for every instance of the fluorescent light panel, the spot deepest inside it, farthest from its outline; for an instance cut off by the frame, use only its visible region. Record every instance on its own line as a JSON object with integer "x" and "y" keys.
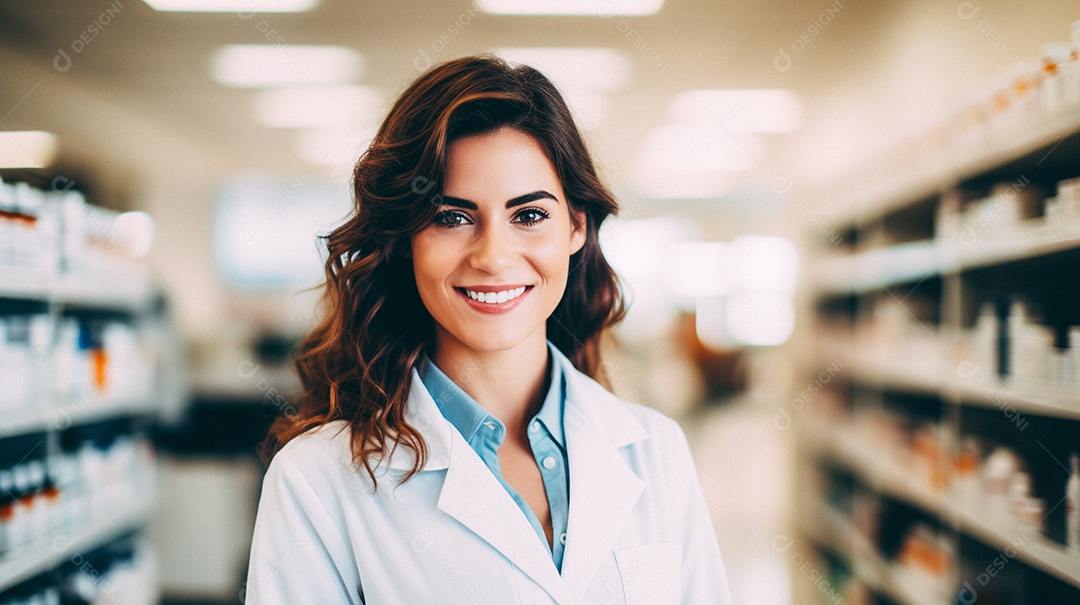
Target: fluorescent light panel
{"x": 698, "y": 269}
{"x": 135, "y": 230}
{"x": 240, "y": 7}
{"x": 763, "y": 263}
{"x": 739, "y": 110}
{"x": 312, "y": 107}
{"x": 266, "y": 65}
{"x": 689, "y": 149}
{"x": 596, "y": 8}
{"x": 683, "y": 186}
{"x": 596, "y": 69}
{"x": 334, "y": 147}
{"x": 27, "y": 148}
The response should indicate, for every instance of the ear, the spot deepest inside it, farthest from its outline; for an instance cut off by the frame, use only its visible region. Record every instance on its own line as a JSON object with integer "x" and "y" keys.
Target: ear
{"x": 578, "y": 231}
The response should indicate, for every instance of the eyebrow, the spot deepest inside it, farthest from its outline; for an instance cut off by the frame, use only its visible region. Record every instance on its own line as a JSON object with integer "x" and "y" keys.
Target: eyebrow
{"x": 517, "y": 201}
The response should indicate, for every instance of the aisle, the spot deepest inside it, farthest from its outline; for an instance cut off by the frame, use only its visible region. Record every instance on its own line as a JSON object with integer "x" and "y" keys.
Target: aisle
{"x": 743, "y": 462}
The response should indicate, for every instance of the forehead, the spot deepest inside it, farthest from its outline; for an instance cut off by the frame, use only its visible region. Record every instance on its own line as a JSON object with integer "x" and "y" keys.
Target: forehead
{"x": 505, "y": 162}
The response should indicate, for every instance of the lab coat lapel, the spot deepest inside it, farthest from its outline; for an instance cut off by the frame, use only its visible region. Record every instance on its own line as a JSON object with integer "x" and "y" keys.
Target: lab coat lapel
{"x": 473, "y": 496}
{"x": 603, "y": 488}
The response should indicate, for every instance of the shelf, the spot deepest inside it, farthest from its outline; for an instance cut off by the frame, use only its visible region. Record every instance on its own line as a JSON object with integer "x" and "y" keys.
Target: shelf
{"x": 45, "y": 554}
{"x": 100, "y": 409}
{"x": 933, "y": 173}
{"x": 62, "y": 417}
{"x": 106, "y": 291}
{"x": 976, "y": 390}
{"x": 98, "y": 291}
{"x": 877, "y": 269}
{"x": 867, "y": 564}
{"x": 892, "y": 480}
{"x": 23, "y": 422}
{"x": 22, "y": 284}
{"x": 1031, "y": 241}
{"x": 915, "y": 261}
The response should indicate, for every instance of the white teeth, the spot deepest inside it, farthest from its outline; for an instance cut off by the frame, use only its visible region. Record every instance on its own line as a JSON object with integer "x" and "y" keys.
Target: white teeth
{"x": 496, "y": 297}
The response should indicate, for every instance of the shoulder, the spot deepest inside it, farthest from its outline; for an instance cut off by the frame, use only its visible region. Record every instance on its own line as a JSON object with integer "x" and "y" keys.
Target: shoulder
{"x": 625, "y": 422}
{"x": 320, "y": 452}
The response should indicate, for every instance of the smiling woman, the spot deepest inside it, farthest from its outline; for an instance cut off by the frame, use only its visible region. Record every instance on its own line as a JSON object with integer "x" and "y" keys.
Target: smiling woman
{"x": 456, "y": 359}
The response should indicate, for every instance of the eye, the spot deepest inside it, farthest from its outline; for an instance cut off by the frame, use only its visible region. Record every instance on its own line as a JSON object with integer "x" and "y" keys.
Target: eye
{"x": 530, "y": 216}
{"x": 449, "y": 219}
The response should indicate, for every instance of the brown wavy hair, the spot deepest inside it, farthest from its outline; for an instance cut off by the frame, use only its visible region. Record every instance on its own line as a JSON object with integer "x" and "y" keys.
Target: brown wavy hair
{"x": 356, "y": 364}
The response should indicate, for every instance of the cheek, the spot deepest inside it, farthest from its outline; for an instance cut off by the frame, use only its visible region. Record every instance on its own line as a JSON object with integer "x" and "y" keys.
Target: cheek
{"x": 552, "y": 257}
{"x": 427, "y": 263}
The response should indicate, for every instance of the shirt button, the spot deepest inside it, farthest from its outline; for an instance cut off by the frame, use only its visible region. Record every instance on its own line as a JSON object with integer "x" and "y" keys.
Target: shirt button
{"x": 549, "y": 463}
{"x": 562, "y": 539}
{"x": 535, "y": 427}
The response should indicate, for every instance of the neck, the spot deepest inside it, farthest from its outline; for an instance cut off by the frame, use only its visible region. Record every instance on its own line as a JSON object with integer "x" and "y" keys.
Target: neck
{"x": 509, "y": 384}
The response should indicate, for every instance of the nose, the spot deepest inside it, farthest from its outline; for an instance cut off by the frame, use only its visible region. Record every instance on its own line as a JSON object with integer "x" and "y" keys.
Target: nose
{"x": 493, "y": 251}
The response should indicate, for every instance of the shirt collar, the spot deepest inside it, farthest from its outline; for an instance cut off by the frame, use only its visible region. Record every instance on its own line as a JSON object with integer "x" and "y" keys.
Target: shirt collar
{"x": 551, "y": 411}
{"x": 468, "y": 416}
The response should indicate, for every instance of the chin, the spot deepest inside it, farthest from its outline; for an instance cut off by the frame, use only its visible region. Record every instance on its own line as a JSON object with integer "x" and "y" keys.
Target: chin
{"x": 490, "y": 343}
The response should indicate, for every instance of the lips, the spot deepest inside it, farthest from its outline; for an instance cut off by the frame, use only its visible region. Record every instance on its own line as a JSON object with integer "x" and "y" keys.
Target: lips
{"x": 494, "y": 296}
{"x": 494, "y": 299}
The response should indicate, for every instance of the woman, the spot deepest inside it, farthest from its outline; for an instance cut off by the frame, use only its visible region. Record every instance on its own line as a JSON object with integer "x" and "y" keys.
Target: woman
{"x": 450, "y": 445}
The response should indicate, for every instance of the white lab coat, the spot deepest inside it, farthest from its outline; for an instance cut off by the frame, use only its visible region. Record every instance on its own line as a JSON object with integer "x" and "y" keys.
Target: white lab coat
{"x": 638, "y": 530}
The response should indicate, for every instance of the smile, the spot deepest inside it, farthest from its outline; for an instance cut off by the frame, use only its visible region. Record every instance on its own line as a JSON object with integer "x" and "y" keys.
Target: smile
{"x": 494, "y": 297}
{"x": 495, "y": 301}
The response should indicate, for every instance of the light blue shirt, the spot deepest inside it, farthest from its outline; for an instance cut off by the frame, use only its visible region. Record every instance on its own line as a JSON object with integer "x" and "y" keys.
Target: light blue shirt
{"x": 485, "y": 433}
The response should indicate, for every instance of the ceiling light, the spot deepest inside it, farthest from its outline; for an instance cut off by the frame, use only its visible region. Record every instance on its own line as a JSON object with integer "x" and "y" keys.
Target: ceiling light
{"x": 763, "y": 263}
{"x": 658, "y": 185}
{"x": 334, "y": 147}
{"x": 739, "y": 110}
{"x": 600, "y": 69}
{"x": 27, "y": 149}
{"x": 697, "y": 269}
{"x": 241, "y": 7}
{"x": 317, "y": 107}
{"x": 134, "y": 230}
{"x": 254, "y": 65}
{"x": 759, "y": 319}
{"x": 599, "y": 8}
{"x": 689, "y": 149}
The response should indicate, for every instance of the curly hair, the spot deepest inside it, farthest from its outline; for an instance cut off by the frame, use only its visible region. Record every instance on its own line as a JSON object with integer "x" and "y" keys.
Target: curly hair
{"x": 356, "y": 364}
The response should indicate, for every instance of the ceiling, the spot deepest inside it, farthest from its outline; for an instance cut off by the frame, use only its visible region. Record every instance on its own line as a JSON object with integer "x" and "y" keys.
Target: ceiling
{"x": 141, "y": 120}
{"x": 138, "y": 98}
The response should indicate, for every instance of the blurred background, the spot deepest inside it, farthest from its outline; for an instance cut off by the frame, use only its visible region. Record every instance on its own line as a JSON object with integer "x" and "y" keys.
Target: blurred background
{"x": 849, "y": 231}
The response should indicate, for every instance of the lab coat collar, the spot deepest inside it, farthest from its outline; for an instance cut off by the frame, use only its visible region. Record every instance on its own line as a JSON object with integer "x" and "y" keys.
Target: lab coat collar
{"x": 593, "y": 408}
{"x": 603, "y": 488}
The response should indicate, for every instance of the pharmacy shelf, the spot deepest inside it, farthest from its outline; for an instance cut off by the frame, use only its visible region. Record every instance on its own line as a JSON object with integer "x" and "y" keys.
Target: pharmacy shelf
{"x": 1035, "y": 239}
{"x": 876, "y": 269}
{"x": 133, "y": 292}
{"x": 910, "y": 181}
{"x": 23, "y": 422}
{"x": 95, "y": 409}
{"x": 74, "y": 414}
{"x": 130, "y": 292}
{"x": 22, "y": 284}
{"x": 916, "y": 261}
{"x": 832, "y": 530}
{"x": 891, "y": 479}
{"x": 975, "y": 390}
{"x": 46, "y": 554}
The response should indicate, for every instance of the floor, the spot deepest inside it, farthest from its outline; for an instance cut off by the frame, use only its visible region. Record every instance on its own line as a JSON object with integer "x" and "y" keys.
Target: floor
{"x": 743, "y": 461}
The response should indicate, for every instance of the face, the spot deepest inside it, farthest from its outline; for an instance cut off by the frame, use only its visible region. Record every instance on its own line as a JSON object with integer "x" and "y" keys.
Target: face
{"x": 493, "y": 265}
